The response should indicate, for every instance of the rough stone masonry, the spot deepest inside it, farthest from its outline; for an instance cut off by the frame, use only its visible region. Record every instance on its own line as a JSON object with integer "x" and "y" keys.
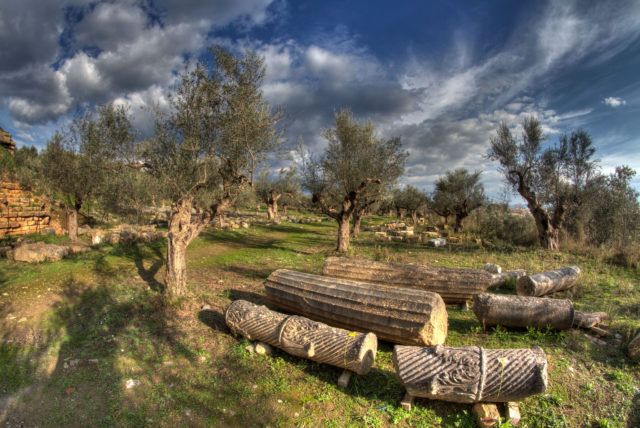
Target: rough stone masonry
{"x": 21, "y": 212}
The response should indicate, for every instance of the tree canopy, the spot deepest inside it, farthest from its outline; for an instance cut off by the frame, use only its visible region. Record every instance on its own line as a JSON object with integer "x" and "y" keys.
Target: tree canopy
{"x": 356, "y": 162}
{"x": 269, "y": 190}
{"x": 411, "y": 200}
{"x": 550, "y": 179}
{"x": 458, "y": 193}
{"x": 80, "y": 160}
{"x": 204, "y": 146}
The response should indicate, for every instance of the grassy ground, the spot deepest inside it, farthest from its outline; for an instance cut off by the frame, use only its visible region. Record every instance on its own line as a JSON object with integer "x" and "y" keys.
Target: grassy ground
{"x": 74, "y": 333}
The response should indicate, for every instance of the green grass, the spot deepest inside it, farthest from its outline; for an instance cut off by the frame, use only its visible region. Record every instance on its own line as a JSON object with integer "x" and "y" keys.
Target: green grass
{"x": 94, "y": 321}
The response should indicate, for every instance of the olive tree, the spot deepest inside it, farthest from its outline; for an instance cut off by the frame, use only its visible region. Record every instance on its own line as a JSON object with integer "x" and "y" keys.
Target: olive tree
{"x": 270, "y": 191}
{"x": 410, "y": 200}
{"x": 80, "y": 159}
{"x": 551, "y": 179}
{"x": 202, "y": 147}
{"x": 612, "y": 210}
{"x": 354, "y": 163}
{"x": 458, "y": 193}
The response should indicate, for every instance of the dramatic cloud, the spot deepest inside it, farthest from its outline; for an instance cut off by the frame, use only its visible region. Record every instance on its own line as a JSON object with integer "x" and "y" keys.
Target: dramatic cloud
{"x": 444, "y": 101}
{"x": 614, "y": 101}
{"x": 110, "y": 49}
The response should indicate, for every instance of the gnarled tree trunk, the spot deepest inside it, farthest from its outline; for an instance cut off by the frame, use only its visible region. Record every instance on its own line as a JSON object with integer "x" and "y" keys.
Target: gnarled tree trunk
{"x": 72, "y": 224}
{"x": 343, "y": 234}
{"x": 357, "y": 220}
{"x": 414, "y": 217}
{"x": 182, "y": 229}
{"x": 272, "y": 207}
{"x": 459, "y": 218}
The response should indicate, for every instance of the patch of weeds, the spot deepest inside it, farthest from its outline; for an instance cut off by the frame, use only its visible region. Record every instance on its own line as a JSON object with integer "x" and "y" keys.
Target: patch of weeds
{"x": 545, "y": 414}
{"x": 15, "y": 370}
{"x": 624, "y": 381}
{"x": 397, "y": 415}
{"x": 424, "y": 417}
{"x": 463, "y": 419}
{"x": 500, "y": 333}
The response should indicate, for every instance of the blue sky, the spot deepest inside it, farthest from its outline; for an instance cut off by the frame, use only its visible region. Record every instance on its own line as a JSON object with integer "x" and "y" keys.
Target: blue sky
{"x": 441, "y": 75}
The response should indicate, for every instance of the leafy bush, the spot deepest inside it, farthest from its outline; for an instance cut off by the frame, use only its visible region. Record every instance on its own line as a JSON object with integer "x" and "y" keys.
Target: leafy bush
{"x": 498, "y": 224}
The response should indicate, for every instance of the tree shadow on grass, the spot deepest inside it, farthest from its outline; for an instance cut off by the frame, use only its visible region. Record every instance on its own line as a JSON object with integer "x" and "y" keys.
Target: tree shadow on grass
{"x": 138, "y": 253}
{"x": 214, "y": 319}
{"x": 76, "y": 367}
{"x": 148, "y": 274}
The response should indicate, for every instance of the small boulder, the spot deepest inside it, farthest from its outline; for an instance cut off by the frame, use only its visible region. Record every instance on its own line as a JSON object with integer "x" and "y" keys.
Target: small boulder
{"x": 492, "y": 268}
{"x": 634, "y": 347}
{"x": 38, "y": 252}
{"x": 438, "y": 242}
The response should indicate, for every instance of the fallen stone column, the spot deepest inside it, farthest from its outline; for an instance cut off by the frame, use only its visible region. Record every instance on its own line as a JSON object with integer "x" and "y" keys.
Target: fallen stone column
{"x": 512, "y": 274}
{"x": 472, "y": 374}
{"x": 399, "y": 315}
{"x": 521, "y": 311}
{"x": 453, "y": 285}
{"x": 548, "y": 282}
{"x": 303, "y": 337}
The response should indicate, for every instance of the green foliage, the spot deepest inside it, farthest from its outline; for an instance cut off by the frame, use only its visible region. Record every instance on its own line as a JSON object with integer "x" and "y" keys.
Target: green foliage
{"x": 22, "y": 165}
{"x": 354, "y": 171}
{"x": 82, "y": 158}
{"x": 458, "y": 193}
{"x": 498, "y": 224}
{"x": 613, "y": 210}
{"x": 285, "y": 187}
{"x": 218, "y": 123}
{"x": 551, "y": 179}
{"x": 411, "y": 200}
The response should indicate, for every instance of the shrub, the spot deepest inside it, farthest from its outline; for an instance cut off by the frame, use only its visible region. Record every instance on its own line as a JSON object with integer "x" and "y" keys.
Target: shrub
{"x": 497, "y": 223}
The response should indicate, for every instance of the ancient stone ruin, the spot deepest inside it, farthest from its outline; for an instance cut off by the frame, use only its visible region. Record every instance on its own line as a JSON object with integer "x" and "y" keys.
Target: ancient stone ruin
{"x": 21, "y": 212}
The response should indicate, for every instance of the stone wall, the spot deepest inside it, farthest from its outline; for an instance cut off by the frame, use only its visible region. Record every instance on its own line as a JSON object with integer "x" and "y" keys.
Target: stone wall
{"x": 21, "y": 212}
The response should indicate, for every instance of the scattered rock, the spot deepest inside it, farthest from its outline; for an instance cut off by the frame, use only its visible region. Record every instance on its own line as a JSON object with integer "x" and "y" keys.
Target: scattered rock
{"x": 131, "y": 383}
{"x": 93, "y": 360}
{"x": 262, "y": 348}
{"x": 249, "y": 349}
{"x": 69, "y": 391}
{"x": 23, "y": 319}
{"x": 512, "y": 413}
{"x": 492, "y": 268}
{"x": 206, "y": 307}
{"x": 187, "y": 412}
{"x": 487, "y": 414}
{"x": 78, "y": 248}
{"x": 167, "y": 363}
{"x": 634, "y": 347}
{"x": 438, "y": 242}
{"x": 38, "y": 252}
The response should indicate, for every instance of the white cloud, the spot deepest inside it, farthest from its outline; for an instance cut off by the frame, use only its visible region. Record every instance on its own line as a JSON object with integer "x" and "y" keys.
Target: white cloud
{"x": 614, "y": 101}
{"x": 116, "y": 48}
